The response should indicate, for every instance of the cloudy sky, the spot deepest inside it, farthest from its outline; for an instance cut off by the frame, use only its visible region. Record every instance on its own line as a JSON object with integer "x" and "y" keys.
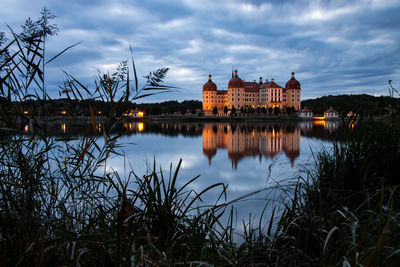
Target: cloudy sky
{"x": 334, "y": 47}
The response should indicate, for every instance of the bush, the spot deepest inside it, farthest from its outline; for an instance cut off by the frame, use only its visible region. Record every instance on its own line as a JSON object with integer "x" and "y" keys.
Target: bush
{"x": 215, "y": 111}
{"x": 344, "y": 211}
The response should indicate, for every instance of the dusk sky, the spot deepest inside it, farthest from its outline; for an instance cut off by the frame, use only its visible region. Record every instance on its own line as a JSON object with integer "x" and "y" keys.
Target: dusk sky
{"x": 334, "y": 47}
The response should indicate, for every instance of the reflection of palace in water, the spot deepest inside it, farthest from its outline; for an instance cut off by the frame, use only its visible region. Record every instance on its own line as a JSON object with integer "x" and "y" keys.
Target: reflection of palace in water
{"x": 249, "y": 141}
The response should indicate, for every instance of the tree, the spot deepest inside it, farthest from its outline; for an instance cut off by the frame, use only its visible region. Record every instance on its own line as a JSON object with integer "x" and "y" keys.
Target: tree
{"x": 270, "y": 110}
{"x": 225, "y": 110}
{"x": 263, "y": 110}
{"x": 215, "y": 111}
{"x": 183, "y": 111}
{"x": 258, "y": 110}
{"x": 277, "y": 110}
{"x": 233, "y": 110}
{"x": 156, "y": 110}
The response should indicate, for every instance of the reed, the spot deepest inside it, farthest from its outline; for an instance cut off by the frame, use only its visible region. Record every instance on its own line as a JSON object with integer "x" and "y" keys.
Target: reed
{"x": 345, "y": 212}
{"x": 61, "y": 204}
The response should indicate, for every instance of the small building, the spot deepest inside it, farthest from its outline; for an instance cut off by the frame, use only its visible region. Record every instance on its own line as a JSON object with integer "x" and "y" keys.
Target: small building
{"x": 390, "y": 109}
{"x": 352, "y": 114}
{"x": 305, "y": 113}
{"x": 135, "y": 113}
{"x": 331, "y": 114}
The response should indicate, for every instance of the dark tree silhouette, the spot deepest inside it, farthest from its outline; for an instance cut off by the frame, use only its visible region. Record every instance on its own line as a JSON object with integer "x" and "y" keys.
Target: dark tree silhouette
{"x": 233, "y": 111}
{"x": 263, "y": 110}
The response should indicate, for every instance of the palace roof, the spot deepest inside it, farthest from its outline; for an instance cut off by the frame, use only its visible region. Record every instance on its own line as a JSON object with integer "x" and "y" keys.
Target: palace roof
{"x": 272, "y": 84}
{"x": 235, "y": 82}
{"x": 209, "y": 85}
{"x": 251, "y": 87}
{"x": 222, "y": 92}
{"x": 293, "y": 83}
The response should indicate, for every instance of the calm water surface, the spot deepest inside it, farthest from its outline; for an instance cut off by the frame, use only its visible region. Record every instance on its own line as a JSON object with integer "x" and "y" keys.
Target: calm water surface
{"x": 246, "y": 156}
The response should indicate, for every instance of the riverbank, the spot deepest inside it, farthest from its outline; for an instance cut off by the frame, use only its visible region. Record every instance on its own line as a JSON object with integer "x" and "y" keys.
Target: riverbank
{"x": 82, "y": 120}
{"x": 238, "y": 118}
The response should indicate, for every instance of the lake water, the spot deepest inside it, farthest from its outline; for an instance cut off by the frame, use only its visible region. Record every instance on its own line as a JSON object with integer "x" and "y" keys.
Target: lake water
{"x": 246, "y": 156}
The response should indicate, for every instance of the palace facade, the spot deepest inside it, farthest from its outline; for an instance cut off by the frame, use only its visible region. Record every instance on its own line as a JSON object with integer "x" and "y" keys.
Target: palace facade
{"x": 242, "y": 94}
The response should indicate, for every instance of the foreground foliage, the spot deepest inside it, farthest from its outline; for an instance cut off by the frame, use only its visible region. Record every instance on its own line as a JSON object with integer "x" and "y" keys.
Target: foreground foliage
{"x": 347, "y": 211}
{"x": 61, "y": 204}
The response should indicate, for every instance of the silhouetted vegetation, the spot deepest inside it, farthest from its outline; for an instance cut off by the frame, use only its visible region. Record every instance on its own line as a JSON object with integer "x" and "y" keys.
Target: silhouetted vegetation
{"x": 215, "y": 111}
{"x": 76, "y": 107}
{"x": 346, "y": 209}
{"x": 360, "y": 104}
{"x": 61, "y": 204}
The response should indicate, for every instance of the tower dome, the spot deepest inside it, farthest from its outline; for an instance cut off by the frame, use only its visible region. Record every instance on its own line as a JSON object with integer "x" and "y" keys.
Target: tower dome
{"x": 235, "y": 82}
{"x": 293, "y": 83}
{"x": 209, "y": 85}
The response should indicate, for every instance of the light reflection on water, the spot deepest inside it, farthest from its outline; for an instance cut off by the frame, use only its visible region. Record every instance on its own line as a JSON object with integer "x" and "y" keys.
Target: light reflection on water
{"x": 246, "y": 156}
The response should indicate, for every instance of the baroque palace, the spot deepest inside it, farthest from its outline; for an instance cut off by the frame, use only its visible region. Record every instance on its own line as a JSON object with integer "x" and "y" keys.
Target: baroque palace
{"x": 242, "y": 94}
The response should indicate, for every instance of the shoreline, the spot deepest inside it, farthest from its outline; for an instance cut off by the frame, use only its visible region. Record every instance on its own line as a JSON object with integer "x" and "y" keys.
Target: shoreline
{"x": 79, "y": 120}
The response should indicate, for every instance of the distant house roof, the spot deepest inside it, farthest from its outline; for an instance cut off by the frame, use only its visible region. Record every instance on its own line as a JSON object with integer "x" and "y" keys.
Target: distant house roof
{"x": 306, "y": 109}
{"x": 331, "y": 110}
{"x": 137, "y": 111}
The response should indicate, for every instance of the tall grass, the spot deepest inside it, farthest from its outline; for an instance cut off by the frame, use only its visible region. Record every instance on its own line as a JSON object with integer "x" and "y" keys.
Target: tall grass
{"x": 61, "y": 204}
{"x": 347, "y": 210}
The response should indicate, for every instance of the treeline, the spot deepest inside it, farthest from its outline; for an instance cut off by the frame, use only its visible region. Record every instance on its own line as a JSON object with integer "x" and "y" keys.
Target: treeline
{"x": 66, "y": 106}
{"x": 170, "y": 107}
{"x": 361, "y": 104}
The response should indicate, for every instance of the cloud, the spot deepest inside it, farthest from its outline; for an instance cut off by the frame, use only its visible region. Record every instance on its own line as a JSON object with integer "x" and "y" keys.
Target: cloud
{"x": 331, "y": 45}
